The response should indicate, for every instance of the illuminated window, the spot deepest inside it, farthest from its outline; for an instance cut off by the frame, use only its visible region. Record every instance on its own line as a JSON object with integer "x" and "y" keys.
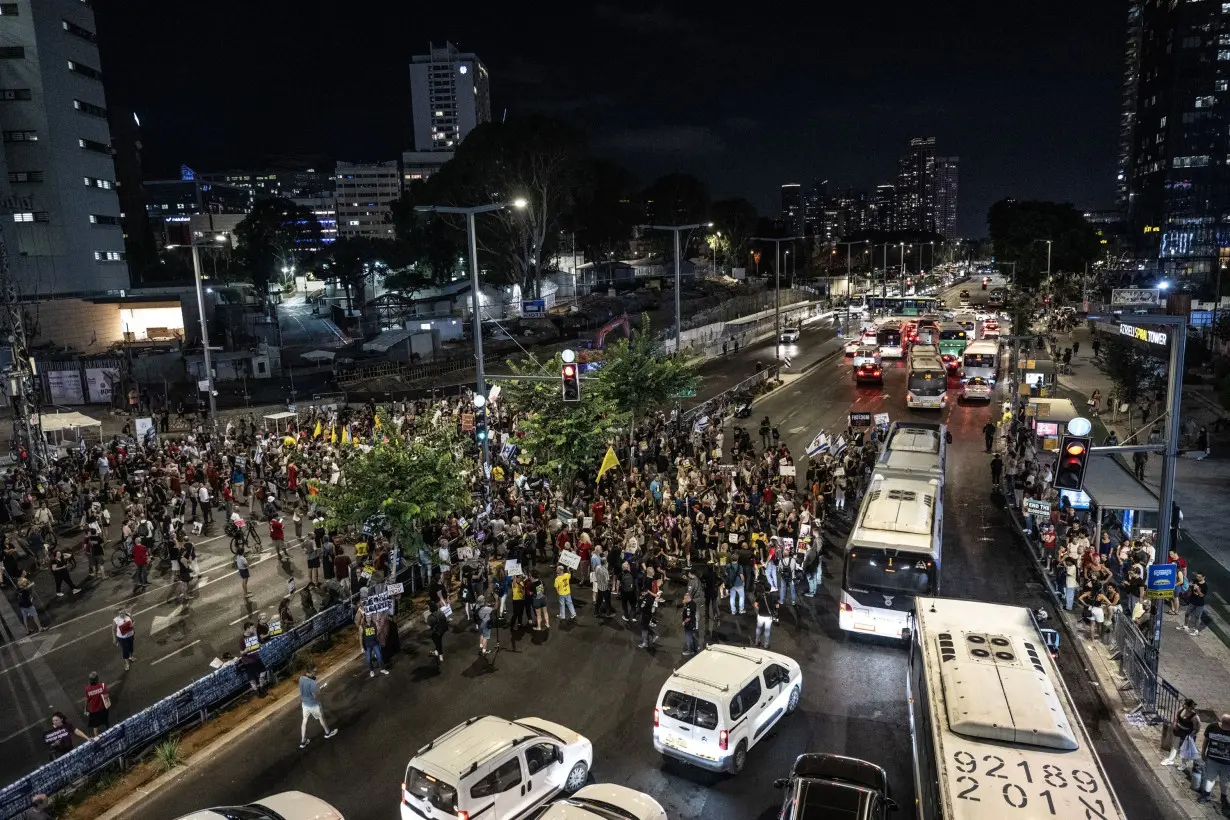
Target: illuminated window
{"x": 84, "y": 70}
{"x": 78, "y": 31}
{"x": 23, "y": 216}
{"x": 14, "y": 94}
{"x": 89, "y": 108}
{"x": 104, "y": 219}
{"x": 21, "y": 136}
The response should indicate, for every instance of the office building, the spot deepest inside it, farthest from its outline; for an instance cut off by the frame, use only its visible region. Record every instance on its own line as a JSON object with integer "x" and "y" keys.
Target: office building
{"x": 1176, "y": 147}
{"x": 285, "y": 177}
{"x": 365, "y": 193}
{"x": 324, "y": 208}
{"x": 882, "y": 209}
{"x": 58, "y": 203}
{"x": 449, "y": 97}
{"x": 792, "y": 217}
{"x": 170, "y": 205}
{"x": 946, "y": 184}
{"x": 419, "y": 165}
{"x": 915, "y": 207}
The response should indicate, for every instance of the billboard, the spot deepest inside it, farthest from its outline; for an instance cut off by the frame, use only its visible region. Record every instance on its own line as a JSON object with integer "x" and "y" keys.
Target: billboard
{"x": 64, "y": 387}
{"x": 1136, "y": 297}
{"x": 100, "y": 384}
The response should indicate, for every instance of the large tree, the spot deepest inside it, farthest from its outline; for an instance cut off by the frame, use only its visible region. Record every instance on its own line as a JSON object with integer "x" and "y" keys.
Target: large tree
{"x": 603, "y": 215}
{"x": 638, "y": 379}
{"x": 736, "y": 220}
{"x": 354, "y": 261}
{"x": 433, "y": 242}
{"x": 1020, "y": 230}
{"x": 276, "y": 234}
{"x": 534, "y": 158}
{"x": 674, "y": 199}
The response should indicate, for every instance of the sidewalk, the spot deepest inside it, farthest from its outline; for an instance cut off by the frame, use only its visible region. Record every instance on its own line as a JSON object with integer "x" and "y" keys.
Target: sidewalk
{"x": 1198, "y": 667}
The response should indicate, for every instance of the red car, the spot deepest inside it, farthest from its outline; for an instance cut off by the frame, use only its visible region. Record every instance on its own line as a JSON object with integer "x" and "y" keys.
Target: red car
{"x": 952, "y": 364}
{"x": 868, "y": 373}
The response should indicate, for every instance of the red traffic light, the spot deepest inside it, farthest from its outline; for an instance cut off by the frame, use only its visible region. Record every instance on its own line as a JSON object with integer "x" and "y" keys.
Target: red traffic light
{"x": 569, "y": 371}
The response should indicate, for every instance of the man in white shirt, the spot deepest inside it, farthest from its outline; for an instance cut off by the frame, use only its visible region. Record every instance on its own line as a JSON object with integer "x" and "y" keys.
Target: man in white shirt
{"x": 203, "y": 500}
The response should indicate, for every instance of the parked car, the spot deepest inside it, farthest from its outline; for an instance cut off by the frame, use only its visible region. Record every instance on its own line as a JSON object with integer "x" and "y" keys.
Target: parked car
{"x": 283, "y": 806}
{"x": 828, "y": 785}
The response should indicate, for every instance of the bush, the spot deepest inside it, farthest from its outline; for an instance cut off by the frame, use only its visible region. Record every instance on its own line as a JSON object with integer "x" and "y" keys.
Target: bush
{"x": 167, "y": 753}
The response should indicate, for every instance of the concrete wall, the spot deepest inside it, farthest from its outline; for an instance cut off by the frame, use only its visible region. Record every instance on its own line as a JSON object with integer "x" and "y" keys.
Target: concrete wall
{"x": 77, "y": 324}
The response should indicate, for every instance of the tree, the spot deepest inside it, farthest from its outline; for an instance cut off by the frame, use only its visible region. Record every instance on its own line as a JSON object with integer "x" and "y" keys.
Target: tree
{"x": 637, "y": 379}
{"x": 1129, "y": 369}
{"x": 602, "y": 217}
{"x": 276, "y": 234}
{"x": 564, "y": 440}
{"x": 353, "y": 260}
{"x": 1019, "y": 228}
{"x": 534, "y": 158}
{"x": 411, "y": 482}
{"x": 736, "y": 220}
{"x": 433, "y": 242}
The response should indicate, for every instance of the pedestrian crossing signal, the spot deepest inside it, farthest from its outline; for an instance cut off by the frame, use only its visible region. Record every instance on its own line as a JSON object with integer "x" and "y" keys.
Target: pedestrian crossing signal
{"x": 571, "y": 378}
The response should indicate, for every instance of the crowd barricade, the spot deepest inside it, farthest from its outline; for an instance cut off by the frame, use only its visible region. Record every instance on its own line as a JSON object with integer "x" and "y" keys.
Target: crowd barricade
{"x": 189, "y": 706}
{"x": 721, "y": 399}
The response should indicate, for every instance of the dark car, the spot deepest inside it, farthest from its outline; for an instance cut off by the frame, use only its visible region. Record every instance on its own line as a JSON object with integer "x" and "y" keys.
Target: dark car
{"x": 868, "y": 372}
{"x": 837, "y": 787}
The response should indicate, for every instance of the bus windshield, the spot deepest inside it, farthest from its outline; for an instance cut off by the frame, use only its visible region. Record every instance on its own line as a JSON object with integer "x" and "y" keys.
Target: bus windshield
{"x": 890, "y": 572}
{"x": 952, "y": 334}
{"x": 979, "y": 360}
{"x": 928, "y": 382}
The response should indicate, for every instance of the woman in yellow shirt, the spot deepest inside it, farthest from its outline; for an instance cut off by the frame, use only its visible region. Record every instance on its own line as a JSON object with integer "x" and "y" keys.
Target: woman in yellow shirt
{"x": 518, "y": 600}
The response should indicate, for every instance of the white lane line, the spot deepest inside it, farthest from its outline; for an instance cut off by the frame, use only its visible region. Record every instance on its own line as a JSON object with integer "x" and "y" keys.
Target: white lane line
{"x": 21, "y": 731}
{"x": 240, "y": 618}
{"x": 176, "y": 652}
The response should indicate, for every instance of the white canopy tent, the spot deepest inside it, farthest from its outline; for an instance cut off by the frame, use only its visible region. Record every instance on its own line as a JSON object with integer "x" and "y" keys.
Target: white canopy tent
{"x": 61, "y": 428}
{"x": 281, "y": 420}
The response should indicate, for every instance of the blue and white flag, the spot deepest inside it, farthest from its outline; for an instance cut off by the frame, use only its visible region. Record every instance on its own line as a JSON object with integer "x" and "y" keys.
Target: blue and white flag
{"x": 838, "y": 447}
{"x": 819, "y": 444}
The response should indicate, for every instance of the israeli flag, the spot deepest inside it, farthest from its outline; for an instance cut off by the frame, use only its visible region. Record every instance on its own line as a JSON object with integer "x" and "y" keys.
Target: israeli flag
{"x": 819, "y": 444}
{"x": 838, "y": 447}
{"x": 701, "y": 424}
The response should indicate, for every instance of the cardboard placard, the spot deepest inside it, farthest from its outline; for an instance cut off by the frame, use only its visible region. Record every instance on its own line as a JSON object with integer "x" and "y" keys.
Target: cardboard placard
{"x": 395, "y": 589}
{"x": 376, "y": 604}
{"x": 881, "y": 419}
{"x": 251, "y": 643}
{"x": 733, "y": 538}
{"x": 860, "y": 418}
{"x": 360, "y": 549}
{"x": 465, "y": 553}
{"x": 569, "y": 559}
{"x": 513, "y": 567}
{"x": 275, "y": 627}
{"x": 587, "y": 522}
{"x": 786, "y": 470}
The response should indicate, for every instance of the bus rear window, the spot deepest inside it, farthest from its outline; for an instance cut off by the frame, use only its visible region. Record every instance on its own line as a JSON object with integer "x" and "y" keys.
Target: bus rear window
{"x": 979, "y": 360}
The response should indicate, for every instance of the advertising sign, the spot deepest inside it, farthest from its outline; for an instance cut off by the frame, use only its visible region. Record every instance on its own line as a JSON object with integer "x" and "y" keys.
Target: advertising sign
{"x": 1160, "y": 581}
{"x": 64, "y": 386}
{"x": 100, "y": 384}
{"x": 1136, "y": 297}
{"x": 533, "y": 308}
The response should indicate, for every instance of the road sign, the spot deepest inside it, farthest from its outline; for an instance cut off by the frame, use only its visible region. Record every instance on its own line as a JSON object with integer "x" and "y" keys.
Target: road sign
{"x": 1035, "y": 507}
{"x": 1160, "y": 582}
{"x": 686, "y": 393}
{"x": 533, "y": 308}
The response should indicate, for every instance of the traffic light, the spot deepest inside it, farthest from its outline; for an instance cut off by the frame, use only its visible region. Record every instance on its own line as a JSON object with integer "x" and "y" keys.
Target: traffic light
{"x": 572, "y": 382}
{"x": 1073, "y": 459}
{"x": 480, "y": 424}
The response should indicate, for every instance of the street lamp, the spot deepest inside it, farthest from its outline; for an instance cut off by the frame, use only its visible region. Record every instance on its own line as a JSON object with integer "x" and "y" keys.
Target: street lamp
{"x": 200, "y": 307}
{"x": 777, "y": 285}
{"x": 675, "y": 229}
{"x": 480, "y": 376}
{"x": 1048, "y": 260}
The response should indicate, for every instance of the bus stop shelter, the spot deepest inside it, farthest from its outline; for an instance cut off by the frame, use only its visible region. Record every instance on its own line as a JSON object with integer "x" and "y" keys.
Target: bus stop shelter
{"x": 1038, "y": 375}
{"x": 1114, "y": 493}
{"x": 1049, "y": 419}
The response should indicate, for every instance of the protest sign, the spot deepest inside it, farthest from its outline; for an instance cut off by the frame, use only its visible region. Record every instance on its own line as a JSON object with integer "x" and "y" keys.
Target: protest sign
{"x": 570, "y": 559}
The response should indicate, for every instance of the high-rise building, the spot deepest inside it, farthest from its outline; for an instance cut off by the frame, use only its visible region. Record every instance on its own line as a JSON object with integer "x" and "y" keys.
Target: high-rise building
{"x": 1127, "y": 115}
{"x": 946, "y": 184}
{"x": 813, "y": 205}
{"x": 365, "y": 193}
{"x": 58, "y": 202}
{"x": 1173, "y": 125}
{"x": 882, "y": 211}
{"x": 449, "y": 97}
{"x": 792, "y": 217}
{"x": 915, "y": 207}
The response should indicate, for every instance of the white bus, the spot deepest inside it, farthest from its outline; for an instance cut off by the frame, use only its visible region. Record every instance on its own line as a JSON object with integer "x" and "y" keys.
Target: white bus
{"x": 926, "y": 379}
{"x": 981, "y": 359}
{"x": 893, "y": 553}
{"x": 994, "y": 731}
{"x": 916, "y": 448}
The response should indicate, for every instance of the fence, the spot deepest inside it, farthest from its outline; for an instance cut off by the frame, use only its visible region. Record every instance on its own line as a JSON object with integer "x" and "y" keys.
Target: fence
{"x": 407, "y": 372}
{"x": 747, "y": 385}
{"x": 189, "y": 706}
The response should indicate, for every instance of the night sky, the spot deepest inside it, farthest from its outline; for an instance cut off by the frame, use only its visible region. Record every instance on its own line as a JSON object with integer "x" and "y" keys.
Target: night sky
{"x": 745, "y": 96}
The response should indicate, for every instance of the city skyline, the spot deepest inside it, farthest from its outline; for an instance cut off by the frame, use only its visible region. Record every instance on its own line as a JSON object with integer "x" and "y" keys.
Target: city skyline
{"x": 696, "y": 112}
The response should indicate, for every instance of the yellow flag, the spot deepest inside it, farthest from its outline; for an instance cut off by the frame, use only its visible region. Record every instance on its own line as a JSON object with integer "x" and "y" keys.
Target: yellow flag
{"x": 345, "y": 435}
{"x": 608, "y": 461}
{"x": 377, "y": 422}
{"x": 333, "y": 435}
{"x": 318, "y": 430}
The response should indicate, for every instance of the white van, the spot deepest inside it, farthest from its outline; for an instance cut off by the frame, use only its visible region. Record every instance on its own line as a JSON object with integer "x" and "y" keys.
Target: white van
{"x": 511, "y": 766}
{"x": 721, "y": 703}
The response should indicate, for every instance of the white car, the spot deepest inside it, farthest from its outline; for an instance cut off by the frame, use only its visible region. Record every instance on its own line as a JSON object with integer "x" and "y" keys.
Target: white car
{"x": 851, "y": 347}
{"x": 603, "y": 801}
{"x": 975, "y": 388}
{"x": 866, "y": 354}
{"x": 790, "y": 335}
{"x": 283, "y": 806}
{"x": 507, "y": 767}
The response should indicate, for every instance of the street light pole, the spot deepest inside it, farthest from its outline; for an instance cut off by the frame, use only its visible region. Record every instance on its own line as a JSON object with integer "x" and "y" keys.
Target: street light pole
{"x": 777, "y": 288}
{"x": 200, "y": 306}
{"x": 678, "y": 314}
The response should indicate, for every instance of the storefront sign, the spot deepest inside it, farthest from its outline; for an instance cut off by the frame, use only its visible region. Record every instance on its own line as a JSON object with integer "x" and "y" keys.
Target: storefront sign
{"x": 1140, "y": 334}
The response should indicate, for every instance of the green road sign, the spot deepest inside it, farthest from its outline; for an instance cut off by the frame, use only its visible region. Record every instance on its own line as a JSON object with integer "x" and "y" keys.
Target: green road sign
{"x": 686, "y": 393}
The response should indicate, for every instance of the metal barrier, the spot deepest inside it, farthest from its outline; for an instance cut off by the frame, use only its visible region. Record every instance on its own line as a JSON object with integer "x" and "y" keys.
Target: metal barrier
{"x": 721, "y": 398}
{"x": 1136, "y": 656}
{"x": 190, "y": 705}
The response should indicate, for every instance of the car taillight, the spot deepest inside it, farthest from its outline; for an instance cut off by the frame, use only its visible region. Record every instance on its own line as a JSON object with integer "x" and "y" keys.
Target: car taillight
{"x": 655, "y": 718}
{"x": 846, "y": 607}
{"x": 463, "y": 815}
{"x": 723, "y": 740}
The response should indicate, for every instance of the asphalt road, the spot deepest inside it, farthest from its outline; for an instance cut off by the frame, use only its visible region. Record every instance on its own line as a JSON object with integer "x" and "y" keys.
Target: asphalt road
{"x": 590, "y": 677}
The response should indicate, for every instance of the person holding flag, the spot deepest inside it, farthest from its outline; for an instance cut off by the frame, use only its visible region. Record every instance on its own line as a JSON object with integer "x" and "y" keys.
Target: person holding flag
{"x": 609, "y": 461}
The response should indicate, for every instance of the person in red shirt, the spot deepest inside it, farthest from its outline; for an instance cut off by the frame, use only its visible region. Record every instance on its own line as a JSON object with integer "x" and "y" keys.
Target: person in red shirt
{"x": 598, "y": 510}
{"x": 97, "y": 704}
{"x": 292, "y": 477}
{"x": 277, "y": 534}
{"x": 140, "y": 559}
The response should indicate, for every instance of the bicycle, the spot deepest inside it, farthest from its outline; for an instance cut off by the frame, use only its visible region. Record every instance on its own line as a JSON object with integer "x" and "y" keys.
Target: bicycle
{"x": 241, "y": 538}
{"x": 121, "y": 557}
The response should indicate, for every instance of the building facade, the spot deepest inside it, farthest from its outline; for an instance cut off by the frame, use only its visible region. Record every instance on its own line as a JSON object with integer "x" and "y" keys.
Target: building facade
{"x": 364, "y": 194}
{"x": 1175, "y": 153}
{"x": 60, "y": 211}
{"x": 947, "y": 178}
{"x": 882, "y": 210}
{"x": 915, "y": 207}
{"x": 793, "y": 216}
{"x": 449, "y": 96}
{"x": 170, "y": 205}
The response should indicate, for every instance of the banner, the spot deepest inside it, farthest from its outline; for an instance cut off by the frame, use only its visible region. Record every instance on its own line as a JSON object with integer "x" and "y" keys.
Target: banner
{"x": 64, "y": 386}
{"x": 100, "y": 384}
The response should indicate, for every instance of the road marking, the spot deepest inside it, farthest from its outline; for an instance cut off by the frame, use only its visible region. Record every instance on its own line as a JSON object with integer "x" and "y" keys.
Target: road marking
{"x": 176, "y": 652}
{"x": 22, "y": 730}
{"x": 240, "y": 618}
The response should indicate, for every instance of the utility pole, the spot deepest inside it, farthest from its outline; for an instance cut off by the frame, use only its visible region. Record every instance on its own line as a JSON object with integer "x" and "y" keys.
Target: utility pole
{"x": 777, "y": 288}
{"x": 675, "y": 229}
{"x": 23, "y": 392}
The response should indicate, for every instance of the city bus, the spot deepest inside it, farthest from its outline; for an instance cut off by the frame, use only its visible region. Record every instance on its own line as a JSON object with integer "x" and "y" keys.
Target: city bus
{"x": 926, "y": 379}
{"x": 953, "y": 339}
{"x": 903, "y": 305}
{"x": 981, "y": 360}
{"x": 992, "y": 725}
{"x": 893, "y": 553}
{"x": 889, "y": 338}
{"x": 915, "y": 448}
